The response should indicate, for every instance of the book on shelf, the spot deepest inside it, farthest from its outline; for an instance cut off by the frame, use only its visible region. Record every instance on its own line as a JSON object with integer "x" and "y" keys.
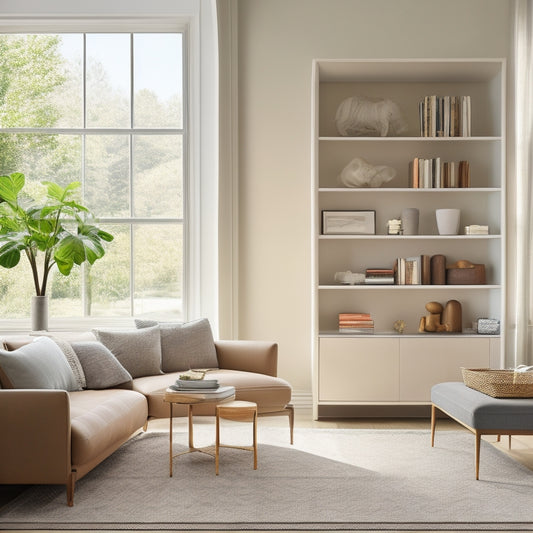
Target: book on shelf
{"x": 357, "y": 331}
{"x": 445, "y": 116}
{"x": 413, "y": 270}
{"x": 475, "y": 229}
{"x": 356, "y": 323}
{"x": 436, "y": 174}
{"x": 379, "y": 276}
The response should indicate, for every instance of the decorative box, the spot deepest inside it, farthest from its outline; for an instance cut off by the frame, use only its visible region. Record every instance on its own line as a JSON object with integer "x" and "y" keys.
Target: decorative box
{"x": 474, "y": 275}
{"x": 488, "y": 326}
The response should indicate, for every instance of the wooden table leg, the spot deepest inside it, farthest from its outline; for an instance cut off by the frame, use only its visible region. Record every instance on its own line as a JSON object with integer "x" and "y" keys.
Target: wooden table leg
{"x": 170, "y": 438}
{"x": 191, "y": 439}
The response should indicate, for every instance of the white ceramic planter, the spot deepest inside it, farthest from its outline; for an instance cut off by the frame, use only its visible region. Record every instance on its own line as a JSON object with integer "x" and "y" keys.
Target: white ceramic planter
{"x": 448, "y": 221}
{"x": 39, "y": 313}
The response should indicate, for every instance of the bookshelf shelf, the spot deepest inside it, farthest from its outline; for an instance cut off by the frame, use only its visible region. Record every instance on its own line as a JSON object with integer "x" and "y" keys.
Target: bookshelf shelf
{"x": 408, "y": 287}
{"x": 432, "y": 357}
{"x": 409, "y": 237}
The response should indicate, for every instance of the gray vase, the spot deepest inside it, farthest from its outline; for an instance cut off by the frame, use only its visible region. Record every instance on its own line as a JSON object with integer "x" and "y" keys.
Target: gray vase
{"x": 410, "y": 216}
{"x": 39, "y": 313}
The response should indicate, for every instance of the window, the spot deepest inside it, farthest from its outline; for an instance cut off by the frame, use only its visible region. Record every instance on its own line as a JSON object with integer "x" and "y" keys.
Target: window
{"x": 105, "y": 109}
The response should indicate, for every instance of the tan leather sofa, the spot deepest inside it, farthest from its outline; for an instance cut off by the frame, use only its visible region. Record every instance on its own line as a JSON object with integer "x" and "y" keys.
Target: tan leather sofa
{"x": 56, "y": 437}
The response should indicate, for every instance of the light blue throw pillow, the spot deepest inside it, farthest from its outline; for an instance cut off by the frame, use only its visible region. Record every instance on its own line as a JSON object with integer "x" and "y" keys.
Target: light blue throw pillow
{"x": 37, "y": 365}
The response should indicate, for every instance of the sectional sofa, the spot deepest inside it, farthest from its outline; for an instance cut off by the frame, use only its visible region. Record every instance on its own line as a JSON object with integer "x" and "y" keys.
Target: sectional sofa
{"x": 69, "y": 400}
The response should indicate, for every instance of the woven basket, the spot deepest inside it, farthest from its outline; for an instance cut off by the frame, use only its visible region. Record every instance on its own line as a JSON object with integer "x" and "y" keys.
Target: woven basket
{"x": 499, "y": 383}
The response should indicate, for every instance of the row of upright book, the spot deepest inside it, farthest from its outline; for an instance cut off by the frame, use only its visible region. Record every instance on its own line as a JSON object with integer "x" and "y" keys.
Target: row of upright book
{"x": 416, "y": 270}
{"x": 356, "y": 323}
{"x": 435, "y": 174}
{"x": 445, "y": 116}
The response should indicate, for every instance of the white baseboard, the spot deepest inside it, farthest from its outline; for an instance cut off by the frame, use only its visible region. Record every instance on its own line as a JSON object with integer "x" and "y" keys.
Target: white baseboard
{"x": 302, "y": 399}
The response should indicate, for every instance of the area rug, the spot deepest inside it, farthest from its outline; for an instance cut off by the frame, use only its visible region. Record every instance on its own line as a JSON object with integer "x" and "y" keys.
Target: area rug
{"x": 331, "y": 479}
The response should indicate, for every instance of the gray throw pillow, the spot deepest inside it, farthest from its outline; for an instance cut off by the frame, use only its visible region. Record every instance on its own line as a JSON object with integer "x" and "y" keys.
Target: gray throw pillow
{"x": 37, "y": 365}
{"x": 138, "y": 351}
{"x": 185, "y": 345}
{"x": 102, "y": 369}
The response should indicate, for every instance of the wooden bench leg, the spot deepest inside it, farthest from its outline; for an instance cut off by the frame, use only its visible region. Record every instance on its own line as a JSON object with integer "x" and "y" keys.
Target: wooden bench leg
{"x": 478, "y": 449}
{"x": 433, "y": 409}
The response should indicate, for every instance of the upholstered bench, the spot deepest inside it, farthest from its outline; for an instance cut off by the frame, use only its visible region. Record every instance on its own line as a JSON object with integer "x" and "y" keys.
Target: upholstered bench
{"x": 480, "y": 413}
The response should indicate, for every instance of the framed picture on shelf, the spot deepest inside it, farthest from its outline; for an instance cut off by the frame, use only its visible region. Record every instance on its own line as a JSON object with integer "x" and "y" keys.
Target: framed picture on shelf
{"x": 348, "y": 222}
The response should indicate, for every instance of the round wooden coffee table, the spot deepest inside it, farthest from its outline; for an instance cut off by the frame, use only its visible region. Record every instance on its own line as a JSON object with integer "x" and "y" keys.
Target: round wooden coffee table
{"x": 191, "y": 398}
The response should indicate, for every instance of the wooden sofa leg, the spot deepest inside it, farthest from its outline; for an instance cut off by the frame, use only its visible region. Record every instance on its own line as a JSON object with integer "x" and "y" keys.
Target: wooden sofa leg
{"x": 290, "y": 408}
{"x": 70, "y": 488}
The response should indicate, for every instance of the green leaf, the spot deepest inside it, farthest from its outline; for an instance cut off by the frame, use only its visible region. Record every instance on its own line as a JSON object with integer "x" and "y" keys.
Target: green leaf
{"x": 69, "y": 251}
{"x": 10, "y": 186}
{"x": 10, "y": 254}
{"x": 57, "y": 192}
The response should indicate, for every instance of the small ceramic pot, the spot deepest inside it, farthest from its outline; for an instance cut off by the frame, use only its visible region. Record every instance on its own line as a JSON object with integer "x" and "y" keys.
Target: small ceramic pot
{"x": 448, "y": 221}
{"x": 410, "y": 216}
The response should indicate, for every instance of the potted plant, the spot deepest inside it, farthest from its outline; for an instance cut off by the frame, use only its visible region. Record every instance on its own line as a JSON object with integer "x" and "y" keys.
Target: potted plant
{"x": 58, "y": 228}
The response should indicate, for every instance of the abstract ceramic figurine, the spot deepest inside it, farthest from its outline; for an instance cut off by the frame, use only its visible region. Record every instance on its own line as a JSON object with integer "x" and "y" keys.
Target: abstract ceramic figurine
{"x": 441, "y": 319}
{"x": 360, "y": 173}
{"x": 360, "y": 116}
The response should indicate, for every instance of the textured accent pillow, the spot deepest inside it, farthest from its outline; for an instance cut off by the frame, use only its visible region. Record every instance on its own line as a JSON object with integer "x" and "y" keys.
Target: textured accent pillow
{"x": 185, "y": 345}
{"x": 102, "y": 369}
{"x": 70, "y": 355}
{"x": 138, "y": 351}
{"x": 37, "y": 365}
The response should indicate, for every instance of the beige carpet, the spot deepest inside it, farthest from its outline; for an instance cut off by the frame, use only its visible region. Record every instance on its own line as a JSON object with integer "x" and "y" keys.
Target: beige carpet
{"x": 330, "y": 479}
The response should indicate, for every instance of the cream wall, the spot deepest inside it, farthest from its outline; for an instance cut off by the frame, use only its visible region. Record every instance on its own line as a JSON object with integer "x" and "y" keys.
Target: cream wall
{"x": 277, "y": 39}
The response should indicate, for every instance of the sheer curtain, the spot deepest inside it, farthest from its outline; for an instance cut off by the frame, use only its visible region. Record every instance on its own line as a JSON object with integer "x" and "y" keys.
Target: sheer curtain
{"x": 520, "y": 234}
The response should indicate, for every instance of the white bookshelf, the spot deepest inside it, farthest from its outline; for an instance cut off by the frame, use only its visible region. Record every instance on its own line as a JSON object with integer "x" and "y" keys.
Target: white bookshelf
{"x": 433, "y": 357}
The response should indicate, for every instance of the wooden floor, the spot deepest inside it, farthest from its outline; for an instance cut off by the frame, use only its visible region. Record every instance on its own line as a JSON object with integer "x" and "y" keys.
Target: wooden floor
{"x": 521, "y": 447}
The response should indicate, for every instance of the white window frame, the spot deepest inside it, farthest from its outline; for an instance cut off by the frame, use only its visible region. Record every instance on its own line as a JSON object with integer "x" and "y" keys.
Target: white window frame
{"x": 197, "y": 20}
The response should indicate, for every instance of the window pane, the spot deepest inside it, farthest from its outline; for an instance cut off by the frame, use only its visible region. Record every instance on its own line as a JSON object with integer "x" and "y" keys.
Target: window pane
{"x": 107, "y": 183}
{"x": 158, "y": 176}
{"x": 108, "y": 80}
{"x": 16, "y": 290}
{"x": 42, "y": 157}
{"x": 158, "y": 271}
{"x": 32, "y": 70}
{"x": 158, "y": 80}
{"x": 108, "y": 279}
{"x": 68, "y": 96}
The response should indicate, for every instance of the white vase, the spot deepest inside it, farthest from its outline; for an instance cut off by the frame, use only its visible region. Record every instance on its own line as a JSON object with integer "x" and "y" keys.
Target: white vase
{"x": 39, "y": 313}
{"x": 448, "y": 221}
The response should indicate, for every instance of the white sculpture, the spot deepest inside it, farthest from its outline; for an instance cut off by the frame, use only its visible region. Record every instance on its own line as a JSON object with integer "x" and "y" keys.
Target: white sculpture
{"x": 358, "y": 116}
{"x": 360, "y": 173}
{"x": 349, "y": 278}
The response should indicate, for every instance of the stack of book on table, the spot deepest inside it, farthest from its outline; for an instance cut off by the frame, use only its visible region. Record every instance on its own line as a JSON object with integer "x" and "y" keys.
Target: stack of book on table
{"x": 356, "y": 323}
{"x": 193, "y": 380}
{"x": 379, "y": 276}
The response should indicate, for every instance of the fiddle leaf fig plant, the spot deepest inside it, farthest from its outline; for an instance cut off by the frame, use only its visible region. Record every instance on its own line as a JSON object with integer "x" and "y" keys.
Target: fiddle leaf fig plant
{"x": 55, "y": 232}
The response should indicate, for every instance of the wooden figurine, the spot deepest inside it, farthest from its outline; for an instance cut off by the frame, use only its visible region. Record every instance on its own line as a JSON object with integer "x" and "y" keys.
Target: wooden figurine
{"x": 441, "y": 318}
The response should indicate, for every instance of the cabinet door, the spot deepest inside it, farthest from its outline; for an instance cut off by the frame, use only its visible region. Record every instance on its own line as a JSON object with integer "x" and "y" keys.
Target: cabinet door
{"x": 425, "y": 362}
{"x": 358, "y": 370}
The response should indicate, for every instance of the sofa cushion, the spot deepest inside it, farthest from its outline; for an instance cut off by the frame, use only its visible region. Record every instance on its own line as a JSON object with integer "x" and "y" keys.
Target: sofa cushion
{"x": 102, "y": 369}
{"x": 101, "y": 421}
{"x": 138, "y": 350}
{"x": 270, "y": 393}
{"x": 185, "y": 345}
{"x": 37, "y": 365}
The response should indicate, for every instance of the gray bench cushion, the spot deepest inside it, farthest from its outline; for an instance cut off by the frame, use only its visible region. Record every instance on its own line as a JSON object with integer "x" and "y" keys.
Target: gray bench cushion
{"x": 480, "y": 411}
